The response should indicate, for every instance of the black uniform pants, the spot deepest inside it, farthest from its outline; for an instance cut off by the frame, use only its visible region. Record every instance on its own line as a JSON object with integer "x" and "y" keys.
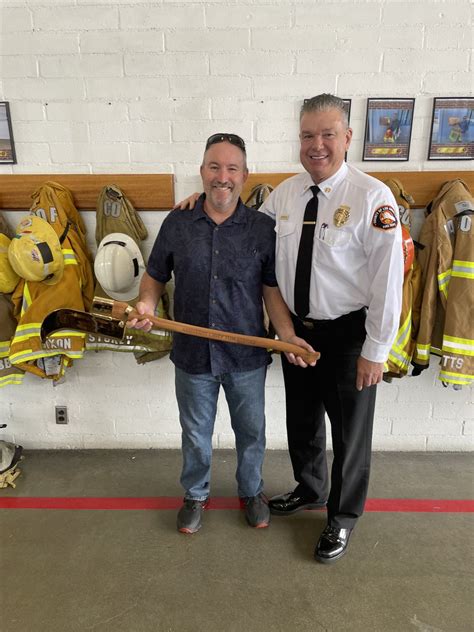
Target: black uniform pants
{"x": 330, "y": 387}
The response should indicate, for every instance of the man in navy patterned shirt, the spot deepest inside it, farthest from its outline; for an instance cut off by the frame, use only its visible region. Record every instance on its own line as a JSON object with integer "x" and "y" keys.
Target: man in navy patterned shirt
{"x": 222, "y": 255}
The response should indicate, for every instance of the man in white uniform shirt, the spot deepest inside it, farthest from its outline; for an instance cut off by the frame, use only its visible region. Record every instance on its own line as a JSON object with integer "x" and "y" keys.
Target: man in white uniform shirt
{"x": 354, "y": 278}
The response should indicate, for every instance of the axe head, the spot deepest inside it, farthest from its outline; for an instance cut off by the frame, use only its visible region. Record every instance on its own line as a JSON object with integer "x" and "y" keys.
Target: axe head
{"x": 84, "y": 322}
{"x": 102, "y": 306}
{"x": 108, "y": 307}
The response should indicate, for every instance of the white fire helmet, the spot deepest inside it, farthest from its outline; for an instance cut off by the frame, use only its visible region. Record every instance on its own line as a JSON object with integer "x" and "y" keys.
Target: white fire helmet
{"x": 119, "y": 266}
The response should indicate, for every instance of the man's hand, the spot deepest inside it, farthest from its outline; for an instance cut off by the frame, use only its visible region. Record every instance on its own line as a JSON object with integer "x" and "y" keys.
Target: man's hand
{"x": 150, "y": 293}
{"x": 296, "y": 359}
{"x": 368, "y": 373}
{"x": 142, "y": 308}
{"x": 281, "y": 321}
{"x": 188, "y": 203}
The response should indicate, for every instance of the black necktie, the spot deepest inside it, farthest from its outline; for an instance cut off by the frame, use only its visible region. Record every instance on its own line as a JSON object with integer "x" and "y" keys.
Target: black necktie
{"x": 305, "y": 255}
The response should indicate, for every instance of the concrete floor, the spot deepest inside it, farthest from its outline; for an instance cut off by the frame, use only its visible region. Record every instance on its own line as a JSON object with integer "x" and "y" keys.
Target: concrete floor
{"x": 130, "y": 571}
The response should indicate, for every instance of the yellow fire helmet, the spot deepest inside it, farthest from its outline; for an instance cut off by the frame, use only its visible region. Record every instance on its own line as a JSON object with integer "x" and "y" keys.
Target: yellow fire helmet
{"x": 8, "y": 277}
{"x": 35, "y": 252}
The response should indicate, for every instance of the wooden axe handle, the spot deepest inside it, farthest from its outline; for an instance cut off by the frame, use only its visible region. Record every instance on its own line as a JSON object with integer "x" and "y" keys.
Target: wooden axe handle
{"x": 123, "y": 311}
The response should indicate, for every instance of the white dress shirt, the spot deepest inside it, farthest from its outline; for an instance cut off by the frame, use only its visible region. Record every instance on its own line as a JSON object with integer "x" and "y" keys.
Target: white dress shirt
{"x": 357, "y": 252}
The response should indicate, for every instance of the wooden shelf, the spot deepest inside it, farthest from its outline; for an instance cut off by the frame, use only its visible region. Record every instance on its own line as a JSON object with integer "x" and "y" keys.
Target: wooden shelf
{"x": 422, "y": 185}
{"x": 145, "y": 191}
{"x": 156, "y": 191}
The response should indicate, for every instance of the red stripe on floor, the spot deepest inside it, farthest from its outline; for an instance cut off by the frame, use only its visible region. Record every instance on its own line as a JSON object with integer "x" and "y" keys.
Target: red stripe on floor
{"x": 419, "y": 505}
{"x": 415, "y": 505}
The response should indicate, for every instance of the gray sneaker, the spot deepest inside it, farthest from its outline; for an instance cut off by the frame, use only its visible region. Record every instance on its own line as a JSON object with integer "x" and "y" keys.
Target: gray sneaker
{"x": 257, "y": 512}
{"x": 189, "y": 516}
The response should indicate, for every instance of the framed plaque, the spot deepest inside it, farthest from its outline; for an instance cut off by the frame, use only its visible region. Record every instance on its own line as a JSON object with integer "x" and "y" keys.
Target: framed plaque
{"x": 388, "y": 129}
{"x": 7, "y": 147}
{"x": 452, "y": 129}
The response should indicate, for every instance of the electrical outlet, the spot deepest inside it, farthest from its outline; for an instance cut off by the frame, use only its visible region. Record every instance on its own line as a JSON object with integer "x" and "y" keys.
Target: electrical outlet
{"x": 61, "y": 415}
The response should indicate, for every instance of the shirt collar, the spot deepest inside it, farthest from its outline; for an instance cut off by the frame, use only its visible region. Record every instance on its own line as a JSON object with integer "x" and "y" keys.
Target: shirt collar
{"x": 239, "y": 216}
{"x": 198, "y": 210}
{"x": 330, "y": 184}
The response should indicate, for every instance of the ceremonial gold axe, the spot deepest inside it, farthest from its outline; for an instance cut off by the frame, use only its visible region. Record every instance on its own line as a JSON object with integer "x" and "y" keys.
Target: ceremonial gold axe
{"x": 109, "y": 318}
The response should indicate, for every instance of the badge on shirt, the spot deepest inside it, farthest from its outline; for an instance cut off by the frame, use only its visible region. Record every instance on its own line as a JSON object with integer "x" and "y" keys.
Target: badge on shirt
{"x": 384, "y": 218}
{"x": 341, "y": 215}
{"x": 284, "y": 217}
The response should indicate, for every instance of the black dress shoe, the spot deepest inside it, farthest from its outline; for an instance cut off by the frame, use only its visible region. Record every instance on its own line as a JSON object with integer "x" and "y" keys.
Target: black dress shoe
{"x": 332, "y": 544}
{"x": 290, "y": 503}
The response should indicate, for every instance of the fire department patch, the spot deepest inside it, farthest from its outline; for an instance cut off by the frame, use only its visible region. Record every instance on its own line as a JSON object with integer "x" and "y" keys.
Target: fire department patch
{"x": 385, "y": 218}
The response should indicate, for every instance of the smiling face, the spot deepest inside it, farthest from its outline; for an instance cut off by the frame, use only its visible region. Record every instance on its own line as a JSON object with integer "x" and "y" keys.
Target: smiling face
{"x": 223, "y": 174}
{"x": 324, "y": 140}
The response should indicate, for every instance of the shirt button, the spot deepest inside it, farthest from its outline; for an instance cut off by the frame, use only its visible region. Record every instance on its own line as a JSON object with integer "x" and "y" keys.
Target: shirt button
{"x": 214, "y": 301}
{"x": 216, "y": 252}
{"x": 213, "y": 324}
{"x": 215, "y": 276}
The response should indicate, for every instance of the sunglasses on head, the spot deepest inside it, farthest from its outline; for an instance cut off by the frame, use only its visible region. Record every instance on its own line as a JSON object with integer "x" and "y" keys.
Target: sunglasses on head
{"x": 230, "y": 138}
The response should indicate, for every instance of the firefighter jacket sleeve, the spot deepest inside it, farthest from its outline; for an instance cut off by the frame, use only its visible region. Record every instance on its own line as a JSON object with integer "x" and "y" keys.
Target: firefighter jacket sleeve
{"x": 446, "y": 323}
{"x": 403, "y": 347}
{"x": 9, "y": 374}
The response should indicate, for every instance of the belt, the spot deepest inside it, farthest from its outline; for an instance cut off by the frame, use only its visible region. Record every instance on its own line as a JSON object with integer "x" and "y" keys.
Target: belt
{"x": 311, "y": 323}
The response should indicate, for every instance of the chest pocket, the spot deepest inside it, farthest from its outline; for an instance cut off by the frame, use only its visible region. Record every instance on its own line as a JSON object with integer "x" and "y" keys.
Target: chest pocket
{"x": 336, "y": 239}
{"x": 287, "y": 240}
{"x": 248, "y": 266}
{"x": 331, "y": 251}
{"x": 283, "y": 229}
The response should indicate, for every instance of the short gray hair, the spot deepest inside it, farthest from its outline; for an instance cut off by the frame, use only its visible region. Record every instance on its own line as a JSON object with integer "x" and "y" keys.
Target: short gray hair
{"x": 323, "y": 103}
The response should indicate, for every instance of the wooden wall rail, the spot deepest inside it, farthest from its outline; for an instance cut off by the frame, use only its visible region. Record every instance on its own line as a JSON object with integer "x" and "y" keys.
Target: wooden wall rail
{"x": 156, "y": 191}
{"x": 422, "y": 185}
{"x": 145, "y": 191}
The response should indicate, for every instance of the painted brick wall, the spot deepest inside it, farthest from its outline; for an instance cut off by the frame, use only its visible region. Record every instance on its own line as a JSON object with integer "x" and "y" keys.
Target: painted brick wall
{"x": 127, "y": 86}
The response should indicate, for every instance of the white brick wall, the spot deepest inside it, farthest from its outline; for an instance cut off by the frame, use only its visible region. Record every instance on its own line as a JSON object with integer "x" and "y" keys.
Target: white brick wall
{"x": 130, "y": 86}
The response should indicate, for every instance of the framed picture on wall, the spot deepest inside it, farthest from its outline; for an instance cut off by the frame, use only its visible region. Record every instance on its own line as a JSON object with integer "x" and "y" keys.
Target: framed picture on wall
{"x": 7, "y": 147}
{"x": 452, "y": 129}
{"x": 388, "y": 129}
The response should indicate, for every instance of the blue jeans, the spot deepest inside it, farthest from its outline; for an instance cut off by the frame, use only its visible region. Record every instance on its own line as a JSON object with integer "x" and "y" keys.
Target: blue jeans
{"x": 197, "y": 401}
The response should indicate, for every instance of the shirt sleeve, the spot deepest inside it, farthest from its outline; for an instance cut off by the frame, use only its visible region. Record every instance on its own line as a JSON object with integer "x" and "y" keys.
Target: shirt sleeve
{"x": 268, "y": 268}
{"x": 383, "y": 246}
{"x": 160, "y": 262}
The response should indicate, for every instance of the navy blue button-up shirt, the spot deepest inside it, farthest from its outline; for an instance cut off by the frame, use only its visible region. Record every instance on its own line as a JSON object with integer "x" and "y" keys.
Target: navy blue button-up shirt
{"x": 219, "y": 272}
